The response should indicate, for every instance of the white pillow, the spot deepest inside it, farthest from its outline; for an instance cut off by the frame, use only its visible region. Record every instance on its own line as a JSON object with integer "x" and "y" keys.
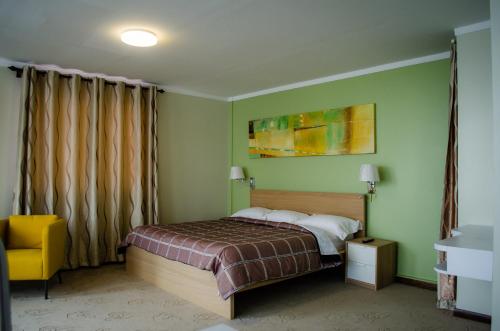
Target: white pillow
{"x": 288, "y": 216}
{"x": 257, "y": 213}
{"x": 334, "y": 225}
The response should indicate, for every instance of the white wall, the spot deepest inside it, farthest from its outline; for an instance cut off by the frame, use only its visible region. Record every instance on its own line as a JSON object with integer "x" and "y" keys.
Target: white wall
{"x": 476, "y": 197}
{"x": 495, "y": 55}
{"x": 9, "y": 118}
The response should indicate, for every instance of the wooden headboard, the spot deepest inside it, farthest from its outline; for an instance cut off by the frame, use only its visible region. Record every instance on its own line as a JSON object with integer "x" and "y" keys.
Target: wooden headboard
{"x": 343, "y": 204}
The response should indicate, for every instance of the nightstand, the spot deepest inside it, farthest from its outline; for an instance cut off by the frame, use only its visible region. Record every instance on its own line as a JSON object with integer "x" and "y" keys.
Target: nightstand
{"x": 371, "y": 265}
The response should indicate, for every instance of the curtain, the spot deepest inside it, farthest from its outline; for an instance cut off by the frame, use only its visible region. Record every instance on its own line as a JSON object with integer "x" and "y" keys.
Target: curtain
{"x": 88, "y": 153}
{"x": 449, "y": 213}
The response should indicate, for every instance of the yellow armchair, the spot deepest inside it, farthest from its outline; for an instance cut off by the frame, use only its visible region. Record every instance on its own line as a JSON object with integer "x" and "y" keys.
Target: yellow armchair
{"x": 35, "y": 246}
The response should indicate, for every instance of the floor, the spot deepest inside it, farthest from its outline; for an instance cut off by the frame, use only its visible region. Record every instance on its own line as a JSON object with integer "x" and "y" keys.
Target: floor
{"x": 107, "y": 298}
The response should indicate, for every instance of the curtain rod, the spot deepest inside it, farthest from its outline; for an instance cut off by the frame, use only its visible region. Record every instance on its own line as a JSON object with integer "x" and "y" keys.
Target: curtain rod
{"x": 19, "y": 73}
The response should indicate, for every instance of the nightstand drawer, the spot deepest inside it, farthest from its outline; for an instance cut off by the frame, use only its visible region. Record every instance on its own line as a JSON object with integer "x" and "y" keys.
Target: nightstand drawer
{"x": 361, "y": 272}
{"x": 362, "y": 254}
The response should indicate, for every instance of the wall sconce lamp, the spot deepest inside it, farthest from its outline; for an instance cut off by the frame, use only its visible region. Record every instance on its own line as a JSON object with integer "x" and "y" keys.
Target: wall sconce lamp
{"x": 238, "y": 174}
{"x": 369, "y": 173}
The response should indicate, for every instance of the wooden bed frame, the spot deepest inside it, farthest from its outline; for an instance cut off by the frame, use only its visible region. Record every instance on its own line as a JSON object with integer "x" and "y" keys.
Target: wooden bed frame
{"x": 199, "y": 286}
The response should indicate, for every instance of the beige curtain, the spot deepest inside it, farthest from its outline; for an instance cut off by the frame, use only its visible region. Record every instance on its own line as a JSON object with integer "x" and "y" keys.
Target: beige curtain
{"x": 88, "y": 153}
{"x": 449, "y": 214}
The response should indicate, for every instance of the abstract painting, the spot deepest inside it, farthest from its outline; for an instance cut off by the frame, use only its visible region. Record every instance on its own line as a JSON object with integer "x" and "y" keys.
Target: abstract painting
{"x": 338, "y": 131}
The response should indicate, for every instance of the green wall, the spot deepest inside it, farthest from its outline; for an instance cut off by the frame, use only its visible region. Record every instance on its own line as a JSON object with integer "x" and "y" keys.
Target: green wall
{"x": 10, "y": 87}
{"x": 193, "y": 158}
{"x": 411, "y": 136}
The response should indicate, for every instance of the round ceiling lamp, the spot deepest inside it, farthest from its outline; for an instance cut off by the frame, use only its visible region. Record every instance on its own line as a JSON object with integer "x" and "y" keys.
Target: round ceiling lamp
{"x": 139, "y": 38}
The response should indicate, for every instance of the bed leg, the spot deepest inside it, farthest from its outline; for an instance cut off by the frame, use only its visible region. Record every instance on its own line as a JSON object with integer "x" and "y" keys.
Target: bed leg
{"x": 230, "y": 313}
{"x": 46, "y": 288}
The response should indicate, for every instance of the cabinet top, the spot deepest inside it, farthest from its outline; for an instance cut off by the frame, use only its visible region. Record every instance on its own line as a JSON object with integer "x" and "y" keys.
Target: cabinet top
{"x": 375, "y": 243}
{"x": 478, "y": 237}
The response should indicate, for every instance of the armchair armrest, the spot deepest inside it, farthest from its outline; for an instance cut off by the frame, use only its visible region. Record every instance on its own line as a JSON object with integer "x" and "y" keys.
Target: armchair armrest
{"x": 4, "y": 225}
{"x": 53, "y": 247}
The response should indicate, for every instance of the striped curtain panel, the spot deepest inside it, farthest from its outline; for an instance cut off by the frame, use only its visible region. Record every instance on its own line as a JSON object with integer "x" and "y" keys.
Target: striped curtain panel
{"x": 88, "y": 153}
{"x": 449, "y": 215}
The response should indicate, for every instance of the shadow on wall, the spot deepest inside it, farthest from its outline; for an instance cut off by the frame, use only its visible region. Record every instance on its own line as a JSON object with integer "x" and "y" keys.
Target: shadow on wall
{"x": 385, "y": 174}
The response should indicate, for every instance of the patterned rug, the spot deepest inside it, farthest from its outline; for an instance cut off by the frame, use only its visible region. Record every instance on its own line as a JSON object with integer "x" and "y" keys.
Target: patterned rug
{"x": 106, "y": 298}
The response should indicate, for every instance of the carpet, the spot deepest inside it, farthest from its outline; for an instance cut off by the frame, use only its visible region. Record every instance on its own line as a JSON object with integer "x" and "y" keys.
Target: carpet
{"x": 106, "y": 298}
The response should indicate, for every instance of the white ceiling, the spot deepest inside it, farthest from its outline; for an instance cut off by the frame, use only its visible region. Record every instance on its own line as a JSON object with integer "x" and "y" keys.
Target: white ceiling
{"x": 231, "y": 47}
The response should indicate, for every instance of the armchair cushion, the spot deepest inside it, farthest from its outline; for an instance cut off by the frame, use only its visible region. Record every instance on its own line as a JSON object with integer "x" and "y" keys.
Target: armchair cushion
{"x": 25, "y": 231}
{"x": 25, "y": 264}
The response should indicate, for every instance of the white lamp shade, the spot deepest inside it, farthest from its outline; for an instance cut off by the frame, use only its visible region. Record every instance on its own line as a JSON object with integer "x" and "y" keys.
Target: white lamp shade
{"x": 368, "y": 173}
{"x": 236, "y": 173}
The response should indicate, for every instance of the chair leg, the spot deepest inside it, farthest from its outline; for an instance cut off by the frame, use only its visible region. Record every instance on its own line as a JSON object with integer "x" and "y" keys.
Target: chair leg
{"x": 59, "y": 277}
{"x": 46, "y": 285}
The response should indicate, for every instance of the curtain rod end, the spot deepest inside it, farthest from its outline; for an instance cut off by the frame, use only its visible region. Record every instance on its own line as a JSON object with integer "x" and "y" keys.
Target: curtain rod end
{"x": 19, "y": 71}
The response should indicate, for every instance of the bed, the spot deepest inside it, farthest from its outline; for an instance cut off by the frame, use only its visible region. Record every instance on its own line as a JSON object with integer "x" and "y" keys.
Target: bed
{"x": 202, "y": 287}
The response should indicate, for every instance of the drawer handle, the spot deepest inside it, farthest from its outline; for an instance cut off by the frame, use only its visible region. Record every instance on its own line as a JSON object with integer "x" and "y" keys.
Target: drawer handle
{"x": 359, "y": 264}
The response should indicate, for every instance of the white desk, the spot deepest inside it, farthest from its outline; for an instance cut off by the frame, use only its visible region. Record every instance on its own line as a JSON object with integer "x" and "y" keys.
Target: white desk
{"x": 469, "y": 256}
{"x": 469, "y": 252}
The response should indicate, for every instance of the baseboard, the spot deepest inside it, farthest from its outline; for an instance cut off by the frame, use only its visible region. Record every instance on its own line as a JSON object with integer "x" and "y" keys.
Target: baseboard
{"x": 417, "y": 283}
{"x": 472, "y": 316}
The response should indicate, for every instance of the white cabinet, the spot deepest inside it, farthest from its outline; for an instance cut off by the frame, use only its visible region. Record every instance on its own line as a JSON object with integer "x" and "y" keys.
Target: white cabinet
{"x": 371, "y": 265}
{"x": 361, "y": 272}
{"x": 362, "y": 254}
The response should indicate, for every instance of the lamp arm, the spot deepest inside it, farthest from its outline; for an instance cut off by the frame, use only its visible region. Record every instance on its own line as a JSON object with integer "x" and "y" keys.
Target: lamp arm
{"x": 371, "y": 187}
{"x": 250, "y": 180}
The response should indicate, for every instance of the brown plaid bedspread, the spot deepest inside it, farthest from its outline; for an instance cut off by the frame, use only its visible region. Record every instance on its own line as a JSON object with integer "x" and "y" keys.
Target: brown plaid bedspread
{"x": 239, "y": 251}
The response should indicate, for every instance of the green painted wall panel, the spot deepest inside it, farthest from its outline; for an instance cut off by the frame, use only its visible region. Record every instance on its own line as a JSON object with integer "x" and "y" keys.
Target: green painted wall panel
{"x": 411, "y": 136}
{"x": 193, "y": 148}
{"x": 10, "y": 88}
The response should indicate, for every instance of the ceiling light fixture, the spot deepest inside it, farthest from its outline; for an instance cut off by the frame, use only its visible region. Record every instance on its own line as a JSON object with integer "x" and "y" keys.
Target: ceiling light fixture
{"x": 139, "y": 38}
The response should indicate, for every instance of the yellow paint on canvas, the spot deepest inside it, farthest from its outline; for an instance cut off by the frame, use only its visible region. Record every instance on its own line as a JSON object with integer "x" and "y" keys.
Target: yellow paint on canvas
{"x": 278, "y": 139}
{"x": 310, "y": 141}
{"x": 362, "y": 129}
{"x": 349, "y": 130}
